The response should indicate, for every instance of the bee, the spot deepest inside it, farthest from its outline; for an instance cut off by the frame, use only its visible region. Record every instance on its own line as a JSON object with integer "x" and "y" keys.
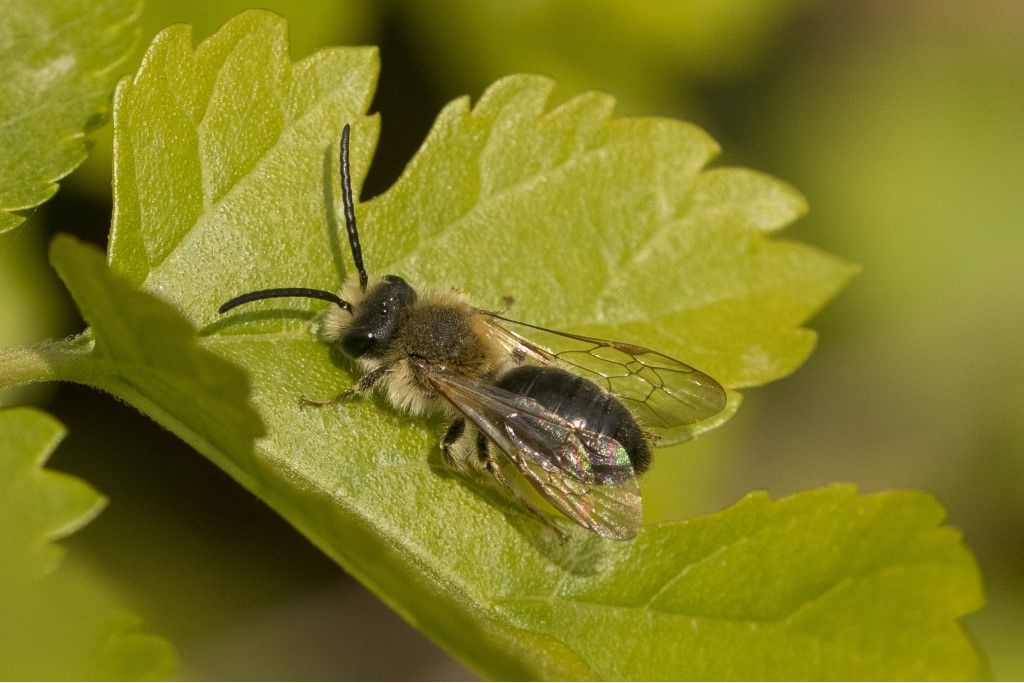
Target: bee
{"x": 575, "y": 416}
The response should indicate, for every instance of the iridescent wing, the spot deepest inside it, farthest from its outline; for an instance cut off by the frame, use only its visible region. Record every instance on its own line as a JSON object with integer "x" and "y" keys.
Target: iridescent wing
{"x": 585, "y": 475}
{"x": 666, "y": 396}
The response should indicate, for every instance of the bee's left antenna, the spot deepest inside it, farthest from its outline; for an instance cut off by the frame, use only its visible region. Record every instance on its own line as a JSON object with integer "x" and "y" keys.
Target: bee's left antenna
{"x": 303, "y": 292}
{"x": 350, "y": 209}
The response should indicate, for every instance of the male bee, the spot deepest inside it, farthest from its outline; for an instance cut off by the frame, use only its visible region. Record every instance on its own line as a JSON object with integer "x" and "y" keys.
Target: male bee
{"x": 574, "y": 415}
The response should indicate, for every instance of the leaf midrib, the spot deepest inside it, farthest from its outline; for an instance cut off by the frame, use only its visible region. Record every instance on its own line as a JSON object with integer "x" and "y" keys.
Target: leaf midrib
{"x": 782, "y": 619}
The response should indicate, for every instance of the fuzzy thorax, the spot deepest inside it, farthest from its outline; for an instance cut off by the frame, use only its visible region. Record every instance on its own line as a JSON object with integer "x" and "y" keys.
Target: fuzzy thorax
{"x": 441, "y": 329}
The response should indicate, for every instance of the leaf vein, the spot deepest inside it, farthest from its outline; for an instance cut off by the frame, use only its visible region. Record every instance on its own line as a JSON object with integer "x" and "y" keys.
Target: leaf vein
{"x": 520, "y": 186}
{"x": 210, "y": 207}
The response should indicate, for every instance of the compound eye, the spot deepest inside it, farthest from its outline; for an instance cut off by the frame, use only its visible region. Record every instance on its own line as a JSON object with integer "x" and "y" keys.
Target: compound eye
{"x": 356, "y": 344}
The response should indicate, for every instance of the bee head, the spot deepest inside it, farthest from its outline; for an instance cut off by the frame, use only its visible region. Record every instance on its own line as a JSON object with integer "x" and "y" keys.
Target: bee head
{"x": 362, "y": 323}
{"x": 374, "y": 317}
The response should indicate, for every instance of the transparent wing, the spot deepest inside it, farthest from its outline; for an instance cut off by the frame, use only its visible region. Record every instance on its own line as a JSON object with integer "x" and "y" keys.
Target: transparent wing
{"x": 666, "y": 395}
{"x": 585, "y": 475}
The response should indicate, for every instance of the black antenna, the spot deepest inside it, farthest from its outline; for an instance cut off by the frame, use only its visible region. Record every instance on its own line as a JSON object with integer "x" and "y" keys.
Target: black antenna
{"x": 350, "y": 210}
{"x": 353, "y": 241}
{"x": 304, "y": 292}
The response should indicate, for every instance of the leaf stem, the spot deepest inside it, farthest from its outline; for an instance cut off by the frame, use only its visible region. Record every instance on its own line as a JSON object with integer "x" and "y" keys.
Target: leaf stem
{"x": 47, "y": 361}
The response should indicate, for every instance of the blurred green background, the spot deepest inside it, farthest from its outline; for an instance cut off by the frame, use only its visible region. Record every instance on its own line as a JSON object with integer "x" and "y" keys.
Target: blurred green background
{"x": 903, "y": 124}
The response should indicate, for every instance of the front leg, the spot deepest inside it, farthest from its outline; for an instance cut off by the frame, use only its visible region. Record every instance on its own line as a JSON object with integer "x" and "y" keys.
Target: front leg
{"x": 363, "y": 386}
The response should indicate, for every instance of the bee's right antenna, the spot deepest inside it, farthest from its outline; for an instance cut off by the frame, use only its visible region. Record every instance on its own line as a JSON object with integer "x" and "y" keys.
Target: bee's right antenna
{"x": 350, "y": 210}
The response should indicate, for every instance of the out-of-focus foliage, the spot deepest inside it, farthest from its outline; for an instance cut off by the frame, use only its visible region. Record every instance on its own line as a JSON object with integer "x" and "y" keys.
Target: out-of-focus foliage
{"x": 59, "y": 623}
{"x": 685, "y": 42}
{"x": 55, "y": 84}
{"x": 33, "y": 305}
{"x": 58, "y": 62}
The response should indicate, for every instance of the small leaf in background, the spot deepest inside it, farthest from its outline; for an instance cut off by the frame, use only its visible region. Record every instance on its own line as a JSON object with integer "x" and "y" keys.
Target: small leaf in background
{"x": 226, "y": 181}
{"x": 58, "y": 62}
{"x": 39, "y": 506}
{"x": 58, "y": 622}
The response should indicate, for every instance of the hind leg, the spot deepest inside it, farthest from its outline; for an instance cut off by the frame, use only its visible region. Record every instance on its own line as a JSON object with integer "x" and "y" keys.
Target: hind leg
{"x": 455, "y": 432}
{"x": 508, "y": 488}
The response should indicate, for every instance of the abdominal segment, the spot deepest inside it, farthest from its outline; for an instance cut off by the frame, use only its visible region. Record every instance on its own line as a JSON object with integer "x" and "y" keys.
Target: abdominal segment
{"x": 583, "y": 403}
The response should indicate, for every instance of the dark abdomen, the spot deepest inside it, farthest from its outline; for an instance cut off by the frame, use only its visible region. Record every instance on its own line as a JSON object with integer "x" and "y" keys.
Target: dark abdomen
{"x": 581, "y": 401}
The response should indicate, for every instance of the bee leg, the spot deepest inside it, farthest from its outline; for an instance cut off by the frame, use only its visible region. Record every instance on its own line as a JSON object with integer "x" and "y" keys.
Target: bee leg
{"x": 363, "y": 386}
{"x": 454, "y": 433}
{"x": 489, "y": 464}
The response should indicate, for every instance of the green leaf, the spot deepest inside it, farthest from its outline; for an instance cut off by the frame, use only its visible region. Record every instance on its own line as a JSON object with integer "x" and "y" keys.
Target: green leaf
{"x": 226, "y": 181}
{"x": 313, "y": 24}
{"x": 58, "y": 63}
{"x": 242, "y": 117}
{"x": 39, "y": 506}
{"x": 140, "y": 349}
{"x": 823, "y": 584}
{"x": 57, "y": 624}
